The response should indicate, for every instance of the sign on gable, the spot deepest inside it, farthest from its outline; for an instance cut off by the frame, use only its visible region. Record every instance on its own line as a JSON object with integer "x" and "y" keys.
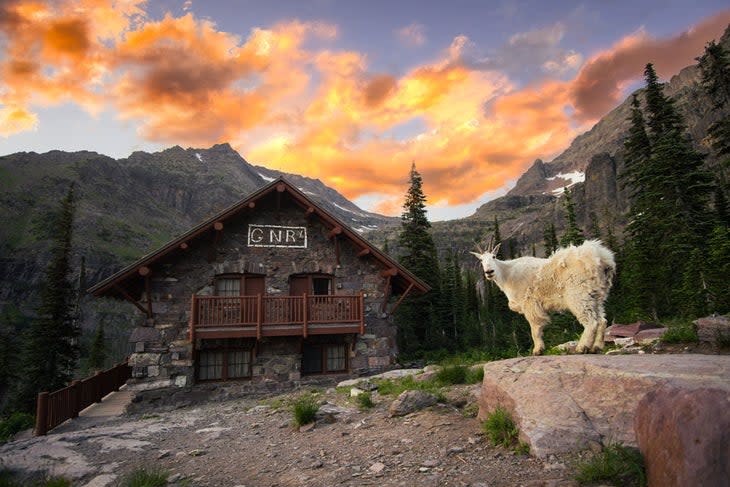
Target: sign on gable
{"x": 277, "y": 236}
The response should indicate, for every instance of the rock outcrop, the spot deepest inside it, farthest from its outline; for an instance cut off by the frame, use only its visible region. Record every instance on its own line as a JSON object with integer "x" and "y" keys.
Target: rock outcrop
{"x": 569, "y": 403}
{"x": 684, "y": 436}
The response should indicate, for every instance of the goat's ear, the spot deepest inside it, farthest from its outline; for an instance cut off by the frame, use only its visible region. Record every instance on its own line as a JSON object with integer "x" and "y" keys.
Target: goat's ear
{"x": 478, "y": 256}
{"x": 496, "y": 249}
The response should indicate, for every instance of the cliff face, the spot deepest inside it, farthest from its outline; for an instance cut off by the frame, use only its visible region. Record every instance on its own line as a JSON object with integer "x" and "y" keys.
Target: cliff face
{"x": 590, "y": 167}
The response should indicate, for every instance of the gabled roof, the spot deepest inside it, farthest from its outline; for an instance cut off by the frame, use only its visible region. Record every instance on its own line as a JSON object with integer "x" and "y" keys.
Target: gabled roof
{"x": 118, "y": 284}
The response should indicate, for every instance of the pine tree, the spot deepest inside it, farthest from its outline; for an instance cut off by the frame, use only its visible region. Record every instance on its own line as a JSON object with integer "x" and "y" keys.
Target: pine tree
{"x": 50, "y": 349}
{"x": 669, "y": 193}
{"x": 97, "y": 353}
{"x": 595, "y": 227}
{"x": 573, "y": 234}
{"x": 715, "y": 67}
{"x": 10, "y": 323}
{"x": 418, "y": 327}
{"x": 551, "y": 239}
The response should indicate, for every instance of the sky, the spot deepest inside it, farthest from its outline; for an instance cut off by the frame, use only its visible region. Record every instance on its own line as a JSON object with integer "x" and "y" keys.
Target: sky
{"x": 351, "y": 92}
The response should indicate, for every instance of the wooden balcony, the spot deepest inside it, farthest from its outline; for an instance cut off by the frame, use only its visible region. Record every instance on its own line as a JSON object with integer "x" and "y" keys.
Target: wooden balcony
{"x": 264, "y": 316}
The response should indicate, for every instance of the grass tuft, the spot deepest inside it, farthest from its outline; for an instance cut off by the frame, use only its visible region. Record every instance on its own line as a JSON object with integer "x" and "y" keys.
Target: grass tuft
{"x": 304, "y": 409}
{"x": 364, "y": 401}
{"x": 617, "y": 464}
{"x": 500, "y": 428}
{"x": 142, "y": 477}
{"x": 452, "y": 374}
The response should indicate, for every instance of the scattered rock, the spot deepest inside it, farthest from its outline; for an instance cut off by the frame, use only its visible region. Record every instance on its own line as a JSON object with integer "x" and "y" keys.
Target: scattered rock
{"x": 196, "y": 452}
{"x": 410, "y": 401}
{"x": 714, "y": 330}
{"x": 684, "y": 436}
{"x": 306, "y": 427}
{"x": 377, "y": 467}
{"x": 163, "y": 454}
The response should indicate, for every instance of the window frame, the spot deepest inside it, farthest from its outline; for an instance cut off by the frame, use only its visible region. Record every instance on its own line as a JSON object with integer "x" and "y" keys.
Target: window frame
{"x": 225, "y": 349}
{"x": 242, "y": 281}
{"x": 323, "y": 348}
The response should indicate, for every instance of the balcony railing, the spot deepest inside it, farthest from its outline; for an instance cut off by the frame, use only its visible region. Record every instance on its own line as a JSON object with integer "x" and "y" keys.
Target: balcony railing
{"x": 260, "y": 316}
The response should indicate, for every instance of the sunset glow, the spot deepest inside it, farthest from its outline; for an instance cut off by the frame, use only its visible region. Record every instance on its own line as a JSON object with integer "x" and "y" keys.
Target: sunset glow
{"x": 296, "y": 96}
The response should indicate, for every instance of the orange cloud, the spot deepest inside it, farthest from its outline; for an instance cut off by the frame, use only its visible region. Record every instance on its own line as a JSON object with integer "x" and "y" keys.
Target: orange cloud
{"x": 318, "y": 112}
{"x": 598, "y": 86}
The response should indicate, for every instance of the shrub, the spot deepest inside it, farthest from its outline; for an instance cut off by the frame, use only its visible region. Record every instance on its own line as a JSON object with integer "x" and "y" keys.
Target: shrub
{"x": 617, "y": 464}
{"x": 9, "y": 478}
{"x": 364, "y": 400}
{"x": 680, "y": 332}
{"x": 452, "y": 374}
{"x": 15, "y": 423}
{"x": 145, "y": 478}
{"x": 304, "y": 409}
{"x": 500, "y": 428}
{"x": 475, "y": 375}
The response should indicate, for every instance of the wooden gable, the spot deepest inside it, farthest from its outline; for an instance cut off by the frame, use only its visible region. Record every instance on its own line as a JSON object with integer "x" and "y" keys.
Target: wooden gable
{"x": 133, "y": 280}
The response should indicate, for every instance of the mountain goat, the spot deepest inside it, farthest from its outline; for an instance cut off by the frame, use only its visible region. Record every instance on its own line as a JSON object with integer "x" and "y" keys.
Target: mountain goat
{"x": 576, "y": 279}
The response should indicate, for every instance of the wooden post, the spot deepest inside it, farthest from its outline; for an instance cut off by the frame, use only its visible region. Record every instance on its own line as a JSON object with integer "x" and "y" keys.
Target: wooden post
{"x": 41, "y": 414}
{"x": 304, "y": 326}
{"x": 97, "y": 386}
{"x": 193, "y": 317}
{"x": 362, "y": 313}
{"x": 75, "y": 398}
{"x": 259, "y": 315}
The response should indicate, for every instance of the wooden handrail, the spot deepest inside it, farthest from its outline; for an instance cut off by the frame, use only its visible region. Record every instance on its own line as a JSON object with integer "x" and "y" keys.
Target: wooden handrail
{"x": 53, "y": 408}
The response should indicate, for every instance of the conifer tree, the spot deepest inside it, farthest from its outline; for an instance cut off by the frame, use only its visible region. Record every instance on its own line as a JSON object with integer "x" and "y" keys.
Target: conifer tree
{"x": 669, "y": 192}
{"x": 97, "y": 352}
{"x": 715, "y": 67}
{"x": 550, "y": 238}
{"x": 573, "y": 234}
{"x": 50, "y": 349}
{"x": 418, "y": 327}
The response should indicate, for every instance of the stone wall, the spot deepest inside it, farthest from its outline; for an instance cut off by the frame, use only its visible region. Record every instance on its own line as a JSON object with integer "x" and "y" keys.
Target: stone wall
{"x": 163, "y": 354}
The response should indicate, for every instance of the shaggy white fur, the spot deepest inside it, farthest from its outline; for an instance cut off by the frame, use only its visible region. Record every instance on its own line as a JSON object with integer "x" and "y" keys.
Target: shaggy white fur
{"x": 576, "y": 279}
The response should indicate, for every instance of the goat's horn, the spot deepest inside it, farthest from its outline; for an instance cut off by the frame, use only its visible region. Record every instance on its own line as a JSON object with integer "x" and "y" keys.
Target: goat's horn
{"x": 496, "y": 248}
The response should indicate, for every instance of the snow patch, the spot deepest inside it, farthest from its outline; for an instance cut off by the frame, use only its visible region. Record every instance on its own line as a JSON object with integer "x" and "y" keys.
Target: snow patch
{"x": 574, "y": 177}
{"x": 350, "y": 211}
{"x": 266, "y": 178}
{"x": 200, "y": 158}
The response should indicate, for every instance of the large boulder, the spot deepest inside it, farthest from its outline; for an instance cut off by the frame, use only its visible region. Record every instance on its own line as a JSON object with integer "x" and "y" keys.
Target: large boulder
{"x": 684, "y": 436}
{"x": 411, "y": 401}
{"x": 569, "y": 403}
{"x": 714, "y": 330}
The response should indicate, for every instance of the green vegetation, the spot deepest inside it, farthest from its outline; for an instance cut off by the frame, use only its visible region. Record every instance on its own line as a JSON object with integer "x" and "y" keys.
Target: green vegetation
{"x": 418, "y": 326}
{"x": 364, "y": 401}
{"x": 9, "y": 478}
{"x": 453, "y": 374}
{"x": 573, "y": 234}
{"x": 15, "y": 423}
{"x": 143, "y": 477}
{"x": 500, "y": 428}
{"x": 304, "y": 409}
{"x": 679, "y": 331}
{"x": 618, "y": 464}
{"x": 50, "y": 349}
{"x": 390, "y": 387}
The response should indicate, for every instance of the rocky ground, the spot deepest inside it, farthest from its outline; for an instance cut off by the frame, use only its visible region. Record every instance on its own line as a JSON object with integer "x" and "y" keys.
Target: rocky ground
{"x": 251, "y": 442}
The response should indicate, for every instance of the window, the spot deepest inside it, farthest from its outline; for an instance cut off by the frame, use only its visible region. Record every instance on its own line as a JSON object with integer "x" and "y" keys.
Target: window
{"x": 224, "y": 359}
{"x": 239, "y": 285}
{"x": 228, "y": 286}
{"x": 321, "y": 285}
{"x": 316, "y": 284}
{"x": 324, "y": 358}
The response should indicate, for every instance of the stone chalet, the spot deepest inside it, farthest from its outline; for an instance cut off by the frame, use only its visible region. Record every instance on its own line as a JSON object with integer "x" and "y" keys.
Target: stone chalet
{"x": 270, "y": 292}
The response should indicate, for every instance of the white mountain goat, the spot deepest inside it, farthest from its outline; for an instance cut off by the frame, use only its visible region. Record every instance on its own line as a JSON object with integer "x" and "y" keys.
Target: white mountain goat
{"x": 576, "y": 279}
